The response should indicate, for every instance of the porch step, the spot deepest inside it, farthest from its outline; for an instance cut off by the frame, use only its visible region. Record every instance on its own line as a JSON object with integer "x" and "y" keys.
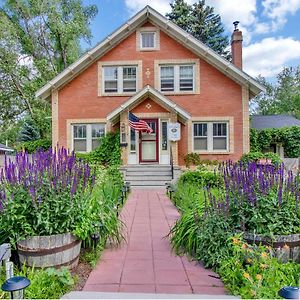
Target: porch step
{"x": 147, "y": 175}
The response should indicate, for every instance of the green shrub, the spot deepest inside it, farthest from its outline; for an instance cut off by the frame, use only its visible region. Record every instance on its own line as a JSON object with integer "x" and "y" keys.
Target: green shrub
{"x": 202, "y": 178}
{"x": 213, "y": 234}
{"x": 33, "y": 146}
{"x": 48, "y": 284}
{"x": 192, "y": 159}
{"x": 252, "y": 272}
{"x": 109, "y": 151}
{"x": 255, "y": 156}
{"x": 289, "y": 137}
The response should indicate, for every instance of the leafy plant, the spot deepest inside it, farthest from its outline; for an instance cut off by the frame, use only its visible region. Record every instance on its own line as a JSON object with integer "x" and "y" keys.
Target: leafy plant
{"x": 43, "y": 194}
{"x": 47, "y": 283}
{"x": 255, "y": 156}
{"x": 214, "y": 231}
{"x": 192, "y": 159}
{"x": 252, "y": 271}
{"x": 262, "y": 139}
{"x": 107, "y": 154}
{"x": 263, "y": 199}
{"x": 33, "y": 146}
{"x": 202, "y": 178}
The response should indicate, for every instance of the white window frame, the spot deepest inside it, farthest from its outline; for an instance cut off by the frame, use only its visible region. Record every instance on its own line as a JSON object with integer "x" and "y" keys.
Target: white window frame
{"x": 120, "y": 79}
{"x": 154, "y": 40}
{"x": 210, "y": 137}
{"x": 139, "y": 44}
{"x": 161, "y": 136}
{"x": 89, "y": 137}
{"x": 177, "y": 78}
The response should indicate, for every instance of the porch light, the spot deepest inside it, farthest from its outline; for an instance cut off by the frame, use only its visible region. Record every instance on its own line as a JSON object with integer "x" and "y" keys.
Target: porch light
{"x": 290, "y": 292}
{"x": 127, "y": 185}
{"x": 16, "y": 286}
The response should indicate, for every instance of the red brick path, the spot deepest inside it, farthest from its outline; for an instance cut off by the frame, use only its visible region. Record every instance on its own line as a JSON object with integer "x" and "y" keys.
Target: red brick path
{"x": 145, "y": 262}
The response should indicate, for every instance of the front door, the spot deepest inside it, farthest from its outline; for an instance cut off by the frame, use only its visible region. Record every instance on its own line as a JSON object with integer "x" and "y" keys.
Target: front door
{"x": 149, "y": 143}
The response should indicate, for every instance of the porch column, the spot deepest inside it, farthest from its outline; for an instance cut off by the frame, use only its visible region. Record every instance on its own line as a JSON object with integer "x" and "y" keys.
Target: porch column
{"x": 174, "y": 145}
{"x": 124, "y": 124}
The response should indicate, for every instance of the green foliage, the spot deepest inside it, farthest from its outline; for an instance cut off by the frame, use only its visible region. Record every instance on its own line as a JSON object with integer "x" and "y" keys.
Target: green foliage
{"x": 47, "y": 283}
{"x": 192, "y": 159}
{"x": 37, "y": 41}
{"x": 255, "y": 156}
{"x": 283, "y": 97}
{"x": 266, "y": 217}
{"x": 33, "y": 146}
{"x": 29, "y": 132}
{"x": 91, "y": 255}
{"x": 213, "y": 234}
{"x": 107, "y": 154}
{"x": 252, "y": 272}
{"x": 200, "y": 21}
{"x": 202, "y": 178}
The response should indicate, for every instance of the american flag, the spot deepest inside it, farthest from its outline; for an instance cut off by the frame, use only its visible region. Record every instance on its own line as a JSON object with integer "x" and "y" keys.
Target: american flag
{"x": 138, "y": 124}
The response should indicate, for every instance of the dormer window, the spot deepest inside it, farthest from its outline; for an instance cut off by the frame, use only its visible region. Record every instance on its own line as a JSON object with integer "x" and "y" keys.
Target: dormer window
{"x": 148, "y": 39}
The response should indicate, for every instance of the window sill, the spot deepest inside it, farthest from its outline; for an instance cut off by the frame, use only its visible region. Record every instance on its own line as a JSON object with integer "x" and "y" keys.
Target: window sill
{"x": 118, "y": 94}
{"x": 179, "y": 93}
{"x": 148, "y": 49}
{"x": 213, "y": 152}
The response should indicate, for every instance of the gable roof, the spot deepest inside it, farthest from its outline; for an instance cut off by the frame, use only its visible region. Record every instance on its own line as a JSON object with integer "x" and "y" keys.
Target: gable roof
{"x": 149, "y": 91}
{"x": 5, "y": 148}
{"x": 171, "y": 29}
{"x": 273, "y": 121}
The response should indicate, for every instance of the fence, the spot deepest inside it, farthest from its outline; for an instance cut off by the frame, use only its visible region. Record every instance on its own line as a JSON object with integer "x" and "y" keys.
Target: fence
{"x": 292, "y": 164}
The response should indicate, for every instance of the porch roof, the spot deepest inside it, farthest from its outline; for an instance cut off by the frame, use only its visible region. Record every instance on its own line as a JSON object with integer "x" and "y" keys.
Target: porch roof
{"x": 149, "y": 91}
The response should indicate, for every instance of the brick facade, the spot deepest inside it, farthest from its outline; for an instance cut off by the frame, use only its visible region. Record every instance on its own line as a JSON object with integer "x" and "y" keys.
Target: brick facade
{"x": 217, "y": 97}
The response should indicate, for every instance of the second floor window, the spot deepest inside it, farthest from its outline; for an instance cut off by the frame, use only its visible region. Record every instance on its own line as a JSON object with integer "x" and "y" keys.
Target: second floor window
{"x": 120, "y": 79}
{"x": 177, "y": 78}
{"x": 147, "y": 40}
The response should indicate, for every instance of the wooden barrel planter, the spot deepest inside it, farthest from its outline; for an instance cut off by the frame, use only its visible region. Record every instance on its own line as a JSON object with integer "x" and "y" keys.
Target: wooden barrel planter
{"x": 286, "y": 247}
{"x": 50, "y": 251}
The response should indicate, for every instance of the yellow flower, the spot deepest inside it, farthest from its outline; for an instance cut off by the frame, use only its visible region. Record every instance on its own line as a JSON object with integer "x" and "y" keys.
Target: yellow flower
{"x": 264, "y": 255}
{"x": 244, "y": 246}
{"x": 249, "y": 260}
{"x": 235, "y": 241}
{"x": 286, "y": 247}
{"x": 263, "y": 266}
{"x": 258, "y": 277}
{"x": 246, "y": 275}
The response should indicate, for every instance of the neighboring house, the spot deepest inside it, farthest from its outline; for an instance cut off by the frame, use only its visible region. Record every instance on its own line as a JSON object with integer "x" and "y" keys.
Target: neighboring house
{"x": 160, "y": 73}
{"x": 260, "y": 122}
{"x": 5, "y": 149}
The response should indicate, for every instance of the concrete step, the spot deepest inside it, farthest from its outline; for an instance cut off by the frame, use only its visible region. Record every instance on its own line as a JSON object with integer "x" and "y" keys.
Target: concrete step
{"x": 148, "y": 169}
{"x": 134, "y": 183}
{"x": 148, "y": 173}
{"x": 146, "y": 177}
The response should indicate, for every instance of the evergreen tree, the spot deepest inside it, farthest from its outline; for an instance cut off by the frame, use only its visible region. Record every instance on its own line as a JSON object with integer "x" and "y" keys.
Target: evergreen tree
{"x": 200, "y": 21}
{"x": 29, "y": 131}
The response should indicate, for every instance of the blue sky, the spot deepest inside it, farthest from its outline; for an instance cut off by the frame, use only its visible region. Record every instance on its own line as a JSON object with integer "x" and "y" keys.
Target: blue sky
{"x": 270, "y": 28}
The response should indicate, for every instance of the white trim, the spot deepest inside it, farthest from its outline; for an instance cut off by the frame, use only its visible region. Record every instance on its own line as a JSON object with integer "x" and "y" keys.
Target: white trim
{"x": 148, "y": 90}
{"x": 171, "y": 29}
{"x": 210, "y": 137}
{"x": 89, "y": 138}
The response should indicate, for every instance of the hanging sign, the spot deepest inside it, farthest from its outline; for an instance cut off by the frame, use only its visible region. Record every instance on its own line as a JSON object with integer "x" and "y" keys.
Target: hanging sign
{"x": 174, "y": 132}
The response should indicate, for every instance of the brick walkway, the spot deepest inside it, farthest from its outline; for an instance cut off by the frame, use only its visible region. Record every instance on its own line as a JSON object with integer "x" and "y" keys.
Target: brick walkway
{"x": 145, "y": 263}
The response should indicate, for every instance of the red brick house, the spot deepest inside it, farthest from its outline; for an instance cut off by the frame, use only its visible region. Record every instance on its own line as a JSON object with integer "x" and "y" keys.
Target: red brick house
{"x": 154, "y": 69}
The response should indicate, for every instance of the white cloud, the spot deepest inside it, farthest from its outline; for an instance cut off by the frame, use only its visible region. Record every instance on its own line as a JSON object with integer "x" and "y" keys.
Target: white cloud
{"x": 277, "y": 11}
{"x": 161, "y": 6}
{"x": 270, "y": 55}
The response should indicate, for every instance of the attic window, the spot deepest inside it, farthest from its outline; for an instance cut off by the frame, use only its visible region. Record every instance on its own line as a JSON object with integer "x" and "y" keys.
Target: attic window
{"x": 148, "y": 40}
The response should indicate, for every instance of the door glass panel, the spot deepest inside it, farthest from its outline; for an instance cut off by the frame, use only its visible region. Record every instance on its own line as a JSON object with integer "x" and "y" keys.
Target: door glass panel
{"x": 149, "y": 150}
{"x": 150, "y": 136}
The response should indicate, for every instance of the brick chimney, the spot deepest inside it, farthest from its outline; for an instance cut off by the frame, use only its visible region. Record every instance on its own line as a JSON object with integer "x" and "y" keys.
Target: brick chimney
{"x": 237, "y": 46}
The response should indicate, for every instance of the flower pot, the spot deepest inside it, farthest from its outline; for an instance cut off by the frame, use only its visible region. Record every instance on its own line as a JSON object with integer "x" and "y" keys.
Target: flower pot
{"x": 50, "y": 251}
{"x": 286, "y": 247}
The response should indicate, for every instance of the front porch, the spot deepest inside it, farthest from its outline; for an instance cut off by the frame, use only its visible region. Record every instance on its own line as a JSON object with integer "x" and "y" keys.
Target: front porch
{"x": 141, "y": 148}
